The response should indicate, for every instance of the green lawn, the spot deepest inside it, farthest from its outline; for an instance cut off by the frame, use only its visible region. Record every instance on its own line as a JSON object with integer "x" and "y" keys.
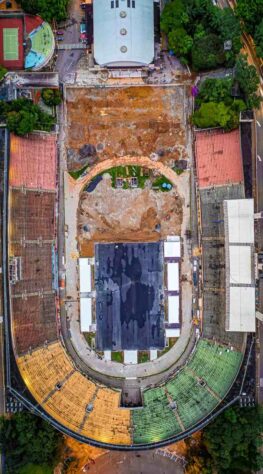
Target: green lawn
{"x": 160, "y": 182}
{"x": 143, "y": 356}
{"x": 117, "y": 356}
{"x": 76, "y": 174}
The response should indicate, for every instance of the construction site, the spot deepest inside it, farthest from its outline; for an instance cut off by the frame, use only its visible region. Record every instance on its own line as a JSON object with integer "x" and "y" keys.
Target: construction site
{"x": 120, "y": 121}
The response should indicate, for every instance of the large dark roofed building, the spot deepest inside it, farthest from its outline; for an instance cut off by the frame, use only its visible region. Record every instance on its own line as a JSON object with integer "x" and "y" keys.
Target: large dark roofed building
{"x": 129, "y": 294}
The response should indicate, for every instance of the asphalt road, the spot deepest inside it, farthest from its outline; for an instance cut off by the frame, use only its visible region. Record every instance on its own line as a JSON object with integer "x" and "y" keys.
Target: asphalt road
{"x": 67, "y": 60}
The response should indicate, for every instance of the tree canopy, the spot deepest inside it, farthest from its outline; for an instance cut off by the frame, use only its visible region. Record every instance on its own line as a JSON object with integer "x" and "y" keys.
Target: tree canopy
{"x": 48, "y": 9}
{"x": 51, "y": 97}
{"x": 248, "y": 80}
{"x": 229, "y": 445}
{"x": 196, "y": 32}
{"x": 23, "y": 117}
{"x": 3, "y": 72}
{"x": 27, "y": 440}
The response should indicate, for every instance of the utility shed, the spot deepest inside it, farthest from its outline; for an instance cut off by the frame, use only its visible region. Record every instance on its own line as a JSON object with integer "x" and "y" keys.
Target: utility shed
{"x": 239, "y": 260}
{"x": 123, "y": 32}
{"x": 85, "y": 314}
{"x": 84, "y": 275}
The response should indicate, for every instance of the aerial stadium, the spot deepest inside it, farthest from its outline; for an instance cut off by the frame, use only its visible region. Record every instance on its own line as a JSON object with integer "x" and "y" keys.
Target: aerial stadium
{"x": 128, "y": 309}
{"x": 129, "y": 405}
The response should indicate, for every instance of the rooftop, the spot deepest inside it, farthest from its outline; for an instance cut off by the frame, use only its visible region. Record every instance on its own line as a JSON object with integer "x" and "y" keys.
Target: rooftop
{"x": 218, "y": 158}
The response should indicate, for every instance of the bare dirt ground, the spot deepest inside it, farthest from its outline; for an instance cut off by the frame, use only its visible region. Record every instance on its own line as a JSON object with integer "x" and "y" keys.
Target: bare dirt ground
{"x": 133, "y": 121}
{"x": 121, "y": 215}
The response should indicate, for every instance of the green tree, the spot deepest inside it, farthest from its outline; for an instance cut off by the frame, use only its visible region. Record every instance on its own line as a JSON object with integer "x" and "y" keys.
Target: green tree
{"x": 173, "y": 16}
{"x": 21, "y": 123}
{"x": 22, "y": 117}
{"x": 212, "y": 114}
{"x": 251, "y": 13}
{"x": 208, "y": 53}
{"x": 248, "y": 80}
{"x": 215, "y": 90}
{"x": 3, "y": 72}
{"x": 26, "y": 439}
{"x": 229, "y": 445}
{"x": 49, "y": 10}
{"x": 180, "y": 42}
{"x": 259, "y": 39}
{"x": 233, "y": 441}
{"x": 51, "y": 97}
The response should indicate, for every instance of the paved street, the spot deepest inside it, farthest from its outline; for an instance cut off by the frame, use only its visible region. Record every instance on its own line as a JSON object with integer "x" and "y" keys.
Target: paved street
{"x": 66, "y": 60}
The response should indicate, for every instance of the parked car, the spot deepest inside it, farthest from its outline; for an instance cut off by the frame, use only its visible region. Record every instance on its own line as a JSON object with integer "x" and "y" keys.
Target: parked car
{"x": 60, "y": 32}
{"x": 59, "y": 38}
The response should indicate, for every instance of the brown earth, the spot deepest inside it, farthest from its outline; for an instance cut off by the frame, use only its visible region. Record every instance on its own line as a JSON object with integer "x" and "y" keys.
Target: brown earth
{"x": 121, "y": 215}
{"x": 136, "y": 121}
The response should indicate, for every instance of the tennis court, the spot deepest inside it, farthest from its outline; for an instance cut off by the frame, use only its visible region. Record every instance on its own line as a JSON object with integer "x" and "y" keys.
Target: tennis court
{"x": 10, "y": 37}
{"x": 11, "y": 42}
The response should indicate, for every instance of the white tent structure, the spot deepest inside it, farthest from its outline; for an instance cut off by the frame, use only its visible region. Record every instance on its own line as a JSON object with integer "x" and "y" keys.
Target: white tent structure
{"x": 240, "y": 271}
{"x": 123, "y": 32}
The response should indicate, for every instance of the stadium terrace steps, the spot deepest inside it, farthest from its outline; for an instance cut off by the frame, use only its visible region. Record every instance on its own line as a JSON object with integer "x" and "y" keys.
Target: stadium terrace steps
{"x": 155, "y": 421}
{"x": 217, "y": 365}
{"x": 33, "y": 322}
{"x": 196, "y": 390}
{"x": 65, "y": 395}
{"x": 94, "y": 411}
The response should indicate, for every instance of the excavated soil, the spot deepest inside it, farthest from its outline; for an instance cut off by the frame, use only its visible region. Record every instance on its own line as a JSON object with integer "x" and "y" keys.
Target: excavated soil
{"x": 123, "y": 215}
{"x": 137, "y": 121}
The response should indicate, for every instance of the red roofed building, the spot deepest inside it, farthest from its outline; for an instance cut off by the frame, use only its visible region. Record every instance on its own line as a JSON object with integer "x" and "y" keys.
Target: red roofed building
{"x": 33, "y": 161}
{"x": 218, "y": 158}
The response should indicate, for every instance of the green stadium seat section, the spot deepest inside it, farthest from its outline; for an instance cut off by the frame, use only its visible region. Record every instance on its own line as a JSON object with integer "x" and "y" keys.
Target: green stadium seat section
{"x": 216, "y": 364}
{"x": 197, "y": 389}
{"x": 156, "y": 421}
{"x": 193, "y": 401}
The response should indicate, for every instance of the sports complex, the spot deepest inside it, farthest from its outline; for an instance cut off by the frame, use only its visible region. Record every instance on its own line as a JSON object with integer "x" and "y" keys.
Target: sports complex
{"x": 26, "y": 41}
{"x": 131, "y": 294}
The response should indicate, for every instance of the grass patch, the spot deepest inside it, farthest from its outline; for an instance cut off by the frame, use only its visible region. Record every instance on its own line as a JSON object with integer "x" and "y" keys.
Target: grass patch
{"x": 90, "y": 338}
{"x": 76, "y": 174}
{"x": 127, "y": 172}
{"x": 117, "y": 356}
{"x": 171, "y": 343}
{"x": 162, "y": 184}
{"x": 143, "y": 356}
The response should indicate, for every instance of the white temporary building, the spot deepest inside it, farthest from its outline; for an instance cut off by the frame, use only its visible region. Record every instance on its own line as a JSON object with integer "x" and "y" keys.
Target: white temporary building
{"x": 173, "y": 276}
{"x": 172, "y": 332}
{"x": 85, "y": 314}
{"x": 173, "y": 309}
{"x": 240, "y": 272}
{"x": 172, "y": 249}
{"x": 130, "y": 357}
{"x": 84, "y": 275}
{"x": 123, "y": 32}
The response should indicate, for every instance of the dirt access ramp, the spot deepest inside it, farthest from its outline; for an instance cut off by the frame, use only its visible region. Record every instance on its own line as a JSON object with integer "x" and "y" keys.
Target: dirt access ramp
{"x": 136, "y": 121}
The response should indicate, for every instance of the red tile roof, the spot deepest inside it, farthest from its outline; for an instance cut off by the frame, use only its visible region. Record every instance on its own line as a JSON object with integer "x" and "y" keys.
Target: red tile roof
{"x": 218, "y": 158}
{"x": 33, "y": 161}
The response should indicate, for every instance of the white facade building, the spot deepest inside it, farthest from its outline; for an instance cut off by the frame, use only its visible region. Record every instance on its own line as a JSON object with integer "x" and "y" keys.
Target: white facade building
{"x": 123, "y": 32}
{"x": 240, "y": 271}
